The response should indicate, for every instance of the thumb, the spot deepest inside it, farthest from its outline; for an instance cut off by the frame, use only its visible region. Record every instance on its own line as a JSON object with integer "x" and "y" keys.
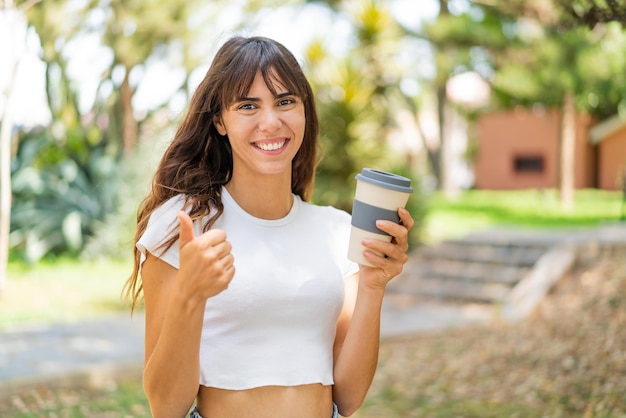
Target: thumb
{"x": 186, "y": 229}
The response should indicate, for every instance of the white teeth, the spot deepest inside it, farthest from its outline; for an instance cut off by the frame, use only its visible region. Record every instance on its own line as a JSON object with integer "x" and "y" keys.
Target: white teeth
{"x": 271, "y": 147}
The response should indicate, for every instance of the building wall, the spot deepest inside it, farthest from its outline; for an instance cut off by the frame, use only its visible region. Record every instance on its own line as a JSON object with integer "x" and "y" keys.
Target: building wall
{"x": 586, "y": 175}
{"x": 612, "y": 160}
{"x": 519, "y": 149}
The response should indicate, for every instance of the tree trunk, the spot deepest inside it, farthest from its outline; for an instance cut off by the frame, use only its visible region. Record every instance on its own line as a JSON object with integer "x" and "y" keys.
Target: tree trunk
{"x": 129, "y": 123}
{"x": 567, "y": 141}
{"x": 5, "y": 151}
{"x": 444, "y": 182}
{"x": 431, "y": 154}
{"x": 442, "y": 164}
{"x": 5, "y": 193}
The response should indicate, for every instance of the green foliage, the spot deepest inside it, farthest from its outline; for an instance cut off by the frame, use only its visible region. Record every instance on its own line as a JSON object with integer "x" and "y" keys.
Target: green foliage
{"x": 113, "y": 235}
{"x": 417, "y": 204}
{"x": 547, "y": 57}
{"x": 591, "y": 12}
{"x": 344, "y": 114}
{"x": 468, "y": 30}
{"x": 134, "y": 34}
{"x": 67, "y": 177}
{"x": 135, "y": 29}
{"x": 58, "y": 196}
{"x": 354, "y": 99}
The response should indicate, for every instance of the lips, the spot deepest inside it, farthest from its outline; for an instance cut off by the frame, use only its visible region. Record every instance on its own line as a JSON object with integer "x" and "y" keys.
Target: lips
{"x": 270, "y": 145}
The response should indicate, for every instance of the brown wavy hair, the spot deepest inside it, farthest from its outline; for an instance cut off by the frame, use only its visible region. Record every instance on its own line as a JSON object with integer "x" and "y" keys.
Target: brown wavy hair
{"x": 198, "y": 162}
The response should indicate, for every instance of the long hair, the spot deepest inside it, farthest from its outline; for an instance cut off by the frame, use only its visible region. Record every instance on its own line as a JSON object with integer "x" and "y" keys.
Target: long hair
{"x": 198, "y": 162}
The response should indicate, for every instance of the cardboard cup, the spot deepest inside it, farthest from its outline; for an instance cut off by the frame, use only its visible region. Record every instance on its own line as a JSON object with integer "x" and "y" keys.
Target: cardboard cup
{"x": 378, "y": 196}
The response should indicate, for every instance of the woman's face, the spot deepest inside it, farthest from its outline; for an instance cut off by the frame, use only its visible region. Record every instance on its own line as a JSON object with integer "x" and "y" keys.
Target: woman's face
{"x": 265, "y": 131}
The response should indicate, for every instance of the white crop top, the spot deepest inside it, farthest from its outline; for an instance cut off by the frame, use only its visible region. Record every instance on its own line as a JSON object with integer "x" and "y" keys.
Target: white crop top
{"x": 275, "y": 324}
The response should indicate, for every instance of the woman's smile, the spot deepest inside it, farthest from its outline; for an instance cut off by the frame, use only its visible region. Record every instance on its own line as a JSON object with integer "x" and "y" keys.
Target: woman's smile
{"x": 271, "y": 145}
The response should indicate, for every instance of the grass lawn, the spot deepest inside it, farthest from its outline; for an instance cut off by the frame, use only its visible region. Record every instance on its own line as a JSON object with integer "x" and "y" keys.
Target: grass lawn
{"x": 482, "y": 209}
{"x": 64, "y": 290}
{"x": 123, "y": 399}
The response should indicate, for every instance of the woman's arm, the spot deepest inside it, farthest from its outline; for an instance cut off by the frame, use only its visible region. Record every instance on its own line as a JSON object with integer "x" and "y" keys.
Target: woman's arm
{"x": 174, "y": 308}
{"x": 172, "y": 341}
{"x": 358, "y": 329}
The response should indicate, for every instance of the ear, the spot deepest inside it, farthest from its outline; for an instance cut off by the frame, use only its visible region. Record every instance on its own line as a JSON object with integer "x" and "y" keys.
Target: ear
{"x": 221, "y": 129}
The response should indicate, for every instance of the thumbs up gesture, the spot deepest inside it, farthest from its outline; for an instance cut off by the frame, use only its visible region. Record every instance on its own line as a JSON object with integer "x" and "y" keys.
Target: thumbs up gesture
{"x": 206, "y": 263}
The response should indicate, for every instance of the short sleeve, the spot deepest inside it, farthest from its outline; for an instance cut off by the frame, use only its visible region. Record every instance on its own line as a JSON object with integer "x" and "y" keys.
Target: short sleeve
{"x": 343, "y": 226}
{"x": 163, "y": 224}
{"x": 350, "y": 268}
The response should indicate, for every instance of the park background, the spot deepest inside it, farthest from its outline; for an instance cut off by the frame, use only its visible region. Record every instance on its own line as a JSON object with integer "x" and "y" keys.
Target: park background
{"x": 92, "y": 91}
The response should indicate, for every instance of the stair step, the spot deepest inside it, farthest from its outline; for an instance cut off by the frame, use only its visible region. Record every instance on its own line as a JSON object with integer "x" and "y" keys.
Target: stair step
{"x": 471, "y": 271}
{"x": 453, "y": 289}
{"x": 462, "y": 270}
{"x": 484, "y": 253}
{"x": 486, "y": 267}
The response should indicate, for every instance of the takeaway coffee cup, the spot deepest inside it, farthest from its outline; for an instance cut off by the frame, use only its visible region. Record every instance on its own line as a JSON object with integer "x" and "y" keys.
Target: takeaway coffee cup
{"x": 378, "y": 196}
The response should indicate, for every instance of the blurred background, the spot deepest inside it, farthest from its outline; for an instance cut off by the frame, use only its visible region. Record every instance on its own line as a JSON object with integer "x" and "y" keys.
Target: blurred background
{"x": 501, "y": 112}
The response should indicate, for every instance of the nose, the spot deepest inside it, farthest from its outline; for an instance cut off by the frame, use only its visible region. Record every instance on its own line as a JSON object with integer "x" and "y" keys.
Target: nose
{"x": 269, "y": 120}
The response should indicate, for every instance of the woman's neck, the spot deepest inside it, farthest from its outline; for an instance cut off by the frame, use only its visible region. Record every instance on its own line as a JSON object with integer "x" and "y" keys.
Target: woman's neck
{"x": 265, "y": 198}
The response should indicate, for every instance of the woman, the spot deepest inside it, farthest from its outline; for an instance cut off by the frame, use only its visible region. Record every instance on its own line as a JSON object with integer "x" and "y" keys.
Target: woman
{"x": 293, "y": 330}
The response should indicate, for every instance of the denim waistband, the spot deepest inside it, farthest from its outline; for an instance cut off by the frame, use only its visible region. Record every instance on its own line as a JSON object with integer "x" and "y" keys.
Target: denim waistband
{"x": 196, "y": 414}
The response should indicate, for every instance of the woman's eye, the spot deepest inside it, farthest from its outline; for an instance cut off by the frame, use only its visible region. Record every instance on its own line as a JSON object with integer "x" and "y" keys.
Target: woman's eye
{"x": 247, "y": 106}
{"x": 286, "y": 102}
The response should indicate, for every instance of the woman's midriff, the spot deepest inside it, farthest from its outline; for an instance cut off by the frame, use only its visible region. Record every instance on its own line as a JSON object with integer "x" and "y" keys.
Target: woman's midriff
{"x": 305, "y": 401}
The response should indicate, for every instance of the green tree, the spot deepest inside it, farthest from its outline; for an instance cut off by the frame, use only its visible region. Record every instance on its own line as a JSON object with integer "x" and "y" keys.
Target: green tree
{"x": 12, "y": 16}
{"x": 459, "y": 40}
{"x": 355, "y": 96}
{"x": 524, "y": 46}
{"x": 137, "y": 31}
{"x": 589, "y": 12}
{"x": 79, "y": 156}
{"x": 564, "y": 14}
{"x": 561, "y": 64}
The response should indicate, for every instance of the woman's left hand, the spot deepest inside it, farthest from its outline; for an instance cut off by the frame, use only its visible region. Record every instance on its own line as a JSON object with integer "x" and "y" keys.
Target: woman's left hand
{"x": 390, "y": 264}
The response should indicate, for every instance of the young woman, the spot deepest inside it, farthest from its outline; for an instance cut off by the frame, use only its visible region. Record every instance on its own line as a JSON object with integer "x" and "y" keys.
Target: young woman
{"x": 252, "y": 308}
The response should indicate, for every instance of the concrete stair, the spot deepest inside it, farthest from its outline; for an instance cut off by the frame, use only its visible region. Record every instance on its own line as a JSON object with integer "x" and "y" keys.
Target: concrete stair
{"x": 467, "y": 270}
{"x": 501, "y": 273}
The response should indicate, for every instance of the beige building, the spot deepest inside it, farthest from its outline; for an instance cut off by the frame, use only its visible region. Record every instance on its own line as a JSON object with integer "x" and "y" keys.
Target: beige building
{"x": 609, "y": 137}
{"x": 519, "y": 149}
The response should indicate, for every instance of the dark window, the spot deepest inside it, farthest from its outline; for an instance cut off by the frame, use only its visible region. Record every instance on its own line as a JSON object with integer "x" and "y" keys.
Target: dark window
{"x": 528, "y": 164}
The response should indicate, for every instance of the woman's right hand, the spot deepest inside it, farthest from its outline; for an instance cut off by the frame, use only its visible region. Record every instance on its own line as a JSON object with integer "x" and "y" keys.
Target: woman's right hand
{"x": 206, "y": 262}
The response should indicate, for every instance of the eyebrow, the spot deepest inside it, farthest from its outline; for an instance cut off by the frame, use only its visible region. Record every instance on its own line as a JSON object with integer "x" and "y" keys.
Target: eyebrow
{"x": 256, "y": 99}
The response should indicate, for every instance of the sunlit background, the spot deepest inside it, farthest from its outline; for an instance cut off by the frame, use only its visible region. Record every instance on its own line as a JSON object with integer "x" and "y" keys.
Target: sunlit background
{"x": 503, "y": 113}
{"x": 157, "y": 80}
